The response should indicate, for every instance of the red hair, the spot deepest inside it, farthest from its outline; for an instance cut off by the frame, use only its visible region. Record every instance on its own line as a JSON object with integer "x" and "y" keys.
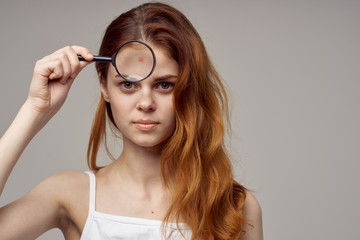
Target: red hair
{"x": 194, "y": 164}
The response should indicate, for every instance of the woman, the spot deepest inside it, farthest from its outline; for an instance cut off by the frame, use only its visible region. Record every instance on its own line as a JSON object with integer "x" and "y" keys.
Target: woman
{"x": 173, "y": 178}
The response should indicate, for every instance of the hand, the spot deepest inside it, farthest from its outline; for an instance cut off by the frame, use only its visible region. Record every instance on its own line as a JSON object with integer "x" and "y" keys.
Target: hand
{"x": 53, "y": 77}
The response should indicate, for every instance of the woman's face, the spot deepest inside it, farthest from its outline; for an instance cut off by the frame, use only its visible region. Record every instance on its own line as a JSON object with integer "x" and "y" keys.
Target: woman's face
{"x": 143, "y": 111}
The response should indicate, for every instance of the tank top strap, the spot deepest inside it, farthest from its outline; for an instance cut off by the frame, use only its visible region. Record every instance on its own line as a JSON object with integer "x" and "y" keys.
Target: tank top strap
{"x": 92, "y": 192}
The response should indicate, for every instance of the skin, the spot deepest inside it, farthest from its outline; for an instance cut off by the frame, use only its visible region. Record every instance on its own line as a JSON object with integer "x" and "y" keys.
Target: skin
{"x": 61, "y": 200}
{"x": 144, "y": 114}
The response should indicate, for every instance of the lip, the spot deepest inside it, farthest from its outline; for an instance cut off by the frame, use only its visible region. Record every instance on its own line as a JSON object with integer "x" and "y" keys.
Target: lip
{"x": 143, "y": 124}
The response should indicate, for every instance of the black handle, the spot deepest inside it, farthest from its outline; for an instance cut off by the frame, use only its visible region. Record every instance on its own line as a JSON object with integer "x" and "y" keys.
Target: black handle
{"x": 96, "y": 59}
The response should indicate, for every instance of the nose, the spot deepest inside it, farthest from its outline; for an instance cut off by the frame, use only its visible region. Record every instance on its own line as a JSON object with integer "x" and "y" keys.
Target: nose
{"x": 146, "y": 101}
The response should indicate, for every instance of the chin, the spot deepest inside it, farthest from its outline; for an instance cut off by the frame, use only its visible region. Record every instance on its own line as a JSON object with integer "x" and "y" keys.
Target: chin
{"x": 151, "y": 143}
{"x": 158, "y": 144}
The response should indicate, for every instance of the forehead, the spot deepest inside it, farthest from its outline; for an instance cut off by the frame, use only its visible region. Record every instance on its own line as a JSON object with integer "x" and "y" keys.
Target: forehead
{"x": 165, "y": 64}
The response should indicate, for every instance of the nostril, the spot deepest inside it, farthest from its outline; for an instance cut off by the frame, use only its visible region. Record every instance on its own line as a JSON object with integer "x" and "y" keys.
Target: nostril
{"x": 146, "y": 106}
{"x": 146, "y": 101}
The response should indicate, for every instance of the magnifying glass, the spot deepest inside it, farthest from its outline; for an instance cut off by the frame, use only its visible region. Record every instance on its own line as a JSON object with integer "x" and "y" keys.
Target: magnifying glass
{"x": 134, "y": 60}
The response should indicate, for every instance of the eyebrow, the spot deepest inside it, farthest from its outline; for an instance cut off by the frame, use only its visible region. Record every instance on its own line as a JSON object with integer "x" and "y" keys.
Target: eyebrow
{"x": 166, "y": 78}
{"x": 158, "y": 79}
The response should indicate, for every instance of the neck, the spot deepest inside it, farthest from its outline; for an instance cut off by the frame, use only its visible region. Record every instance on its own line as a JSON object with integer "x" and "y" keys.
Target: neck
{"x": 139, "y": 166}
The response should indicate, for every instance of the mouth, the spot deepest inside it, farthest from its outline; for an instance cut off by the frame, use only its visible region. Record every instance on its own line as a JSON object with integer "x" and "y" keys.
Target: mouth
{"x": 145, "y": 124}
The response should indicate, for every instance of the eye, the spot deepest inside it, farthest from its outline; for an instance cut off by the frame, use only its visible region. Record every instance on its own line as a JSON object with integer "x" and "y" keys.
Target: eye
{"x": 165, "y": 86}
{"x": 126, "y": 85}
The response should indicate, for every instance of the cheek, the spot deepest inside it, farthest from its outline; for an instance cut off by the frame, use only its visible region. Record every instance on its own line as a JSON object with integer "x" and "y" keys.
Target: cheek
{"x": 120, "y": 103}
{"x": 169, "y": 112}
{"x": 121, "y": 112}
{"x": 167, "y": 106}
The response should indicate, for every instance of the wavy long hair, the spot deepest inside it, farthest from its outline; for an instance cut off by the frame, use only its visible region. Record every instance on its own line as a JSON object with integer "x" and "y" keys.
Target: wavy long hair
{"x": 194, "y": 163}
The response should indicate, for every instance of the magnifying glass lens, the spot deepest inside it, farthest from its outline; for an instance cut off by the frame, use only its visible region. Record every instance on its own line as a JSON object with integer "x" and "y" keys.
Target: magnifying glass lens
{"x": 134, "y": 61}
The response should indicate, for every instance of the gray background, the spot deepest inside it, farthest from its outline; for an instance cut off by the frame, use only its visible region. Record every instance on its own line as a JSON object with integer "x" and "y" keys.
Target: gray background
{"x": 293, "y": 71}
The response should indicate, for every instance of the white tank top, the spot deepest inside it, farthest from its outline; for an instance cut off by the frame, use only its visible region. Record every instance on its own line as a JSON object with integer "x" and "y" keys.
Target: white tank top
{"x": 102, "y": 226}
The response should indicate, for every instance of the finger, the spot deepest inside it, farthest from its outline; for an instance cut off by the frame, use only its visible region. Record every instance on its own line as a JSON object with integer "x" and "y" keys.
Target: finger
{"x": 63, "y": 58}
{"x": 84, "y": 52}
{"x": 64, "y": 63}
{"x": 50, "y": 67}
{"x": 54, "y": 69}
{"x": 74, "y": 61}
{"x": 69, "y": 82}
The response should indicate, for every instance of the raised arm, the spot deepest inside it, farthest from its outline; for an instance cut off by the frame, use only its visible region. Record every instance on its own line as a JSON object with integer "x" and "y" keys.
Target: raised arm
{"x": 51, "y": 81}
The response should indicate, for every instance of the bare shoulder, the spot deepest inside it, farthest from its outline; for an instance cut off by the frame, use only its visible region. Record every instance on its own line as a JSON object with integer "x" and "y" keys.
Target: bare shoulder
{"x": 70, "y": 186}
{"x": 65, "y": 188}
{"x": 253, "y": 215}
{"x": 63, "y": 182}
{"x": 66, "y": 178}
{"x": 46, "y": 206}
{"x": 251, "y": 205}
{"x": 72, "y": 195}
